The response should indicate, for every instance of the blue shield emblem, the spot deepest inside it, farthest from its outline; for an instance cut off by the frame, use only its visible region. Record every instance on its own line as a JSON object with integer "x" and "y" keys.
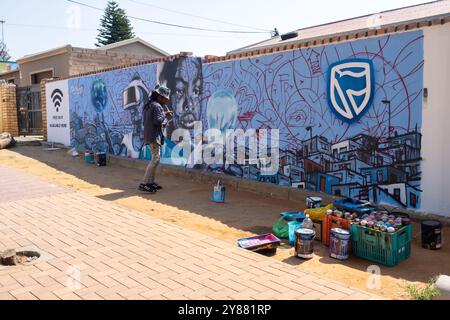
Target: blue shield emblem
{"x": 351, "y": 86}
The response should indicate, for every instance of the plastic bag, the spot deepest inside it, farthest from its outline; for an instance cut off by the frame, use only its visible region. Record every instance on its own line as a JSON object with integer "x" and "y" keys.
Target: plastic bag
{"x": 281, "y": 229}
{"x": 318, "y": 214}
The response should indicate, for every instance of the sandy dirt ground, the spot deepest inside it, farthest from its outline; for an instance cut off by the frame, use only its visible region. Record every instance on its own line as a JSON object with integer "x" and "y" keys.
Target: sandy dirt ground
{"x": 188, "y": 204}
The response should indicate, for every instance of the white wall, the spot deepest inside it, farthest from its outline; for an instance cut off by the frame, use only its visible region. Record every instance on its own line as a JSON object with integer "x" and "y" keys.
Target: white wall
{"x": 436, "y": 121}
{"x": 58, "y": 116}
{"x": 338, "y": 146}
{"x": 390, "y": 189}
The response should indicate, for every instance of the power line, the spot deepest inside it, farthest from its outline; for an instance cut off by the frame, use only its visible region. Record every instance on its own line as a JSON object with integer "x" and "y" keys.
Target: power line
{"x": 197, "y": 16}
{"x": 171, "y": 24}
{"x": 139, "y": 32}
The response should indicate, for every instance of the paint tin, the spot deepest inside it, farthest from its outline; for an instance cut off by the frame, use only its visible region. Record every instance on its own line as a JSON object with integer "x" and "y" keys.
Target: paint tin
{"x": 313, "y": 202}
{"x": 304, "y": 243}
{"x": 89, "y": 157}
{"x": 218, "y": 194}
{"x": 340, "y": 244}
{"x": 101, "y": 159}
{"x": 431, "y": 234}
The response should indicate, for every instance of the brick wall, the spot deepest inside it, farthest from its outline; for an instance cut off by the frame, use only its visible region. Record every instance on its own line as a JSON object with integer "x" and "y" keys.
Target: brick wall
{"x": 44, "y": 109}
{"x": 89, "y": 60}
{"x": 8, "y": 109}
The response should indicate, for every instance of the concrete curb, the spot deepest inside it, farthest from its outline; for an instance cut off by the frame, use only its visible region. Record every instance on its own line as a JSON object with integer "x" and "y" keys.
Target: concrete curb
{"x": 235, "y": 183}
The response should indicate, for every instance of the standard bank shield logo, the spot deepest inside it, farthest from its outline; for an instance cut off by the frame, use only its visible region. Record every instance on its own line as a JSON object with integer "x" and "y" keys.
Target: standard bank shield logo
{"x": 351, "y": 88}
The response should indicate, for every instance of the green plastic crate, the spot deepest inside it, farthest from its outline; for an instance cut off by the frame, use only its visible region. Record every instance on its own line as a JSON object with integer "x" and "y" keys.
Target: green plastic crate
{"x": 385, "y": 248}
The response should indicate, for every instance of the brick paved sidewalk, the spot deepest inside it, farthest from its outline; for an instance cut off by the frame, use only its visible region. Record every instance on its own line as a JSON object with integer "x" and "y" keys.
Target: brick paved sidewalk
{"x": 123, "y": 254}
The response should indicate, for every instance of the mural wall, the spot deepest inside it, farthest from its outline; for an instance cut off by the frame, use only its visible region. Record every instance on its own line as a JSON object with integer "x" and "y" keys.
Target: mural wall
{"x": 349, "y": 114}
{"x": 376, "y": 157}
{"x": 106, "y": 109}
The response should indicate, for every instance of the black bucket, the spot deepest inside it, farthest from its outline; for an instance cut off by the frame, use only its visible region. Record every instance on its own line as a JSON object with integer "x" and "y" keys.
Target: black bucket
{"x": 431, "y": 234}
{"x": 101, "y": 159}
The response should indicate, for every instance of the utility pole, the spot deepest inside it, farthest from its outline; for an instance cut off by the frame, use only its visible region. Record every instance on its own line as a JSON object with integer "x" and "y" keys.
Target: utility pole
{"x": 3, "y": 34}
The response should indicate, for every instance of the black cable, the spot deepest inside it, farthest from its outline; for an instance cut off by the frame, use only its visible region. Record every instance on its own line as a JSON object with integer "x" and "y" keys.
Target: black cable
{"x": 196, "y": 16}
{"x": 139, "y": 32}
{"x": 169, "y": 24}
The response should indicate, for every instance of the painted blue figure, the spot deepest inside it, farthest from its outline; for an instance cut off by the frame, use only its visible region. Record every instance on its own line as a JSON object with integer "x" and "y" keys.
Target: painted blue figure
{"x": 222, "y": 111}
{"x": 99, "y": 95}
{"x": 102, "y": 139}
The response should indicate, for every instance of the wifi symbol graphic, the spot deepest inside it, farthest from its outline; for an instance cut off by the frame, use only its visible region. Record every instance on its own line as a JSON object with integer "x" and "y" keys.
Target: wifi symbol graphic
{"x": 57, "y": 97}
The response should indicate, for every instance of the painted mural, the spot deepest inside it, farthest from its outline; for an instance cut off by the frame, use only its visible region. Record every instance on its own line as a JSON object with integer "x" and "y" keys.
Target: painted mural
{"x": 106, "y": 109}
{"x": 349, "y": 115}
{"x": 372, "y": 155}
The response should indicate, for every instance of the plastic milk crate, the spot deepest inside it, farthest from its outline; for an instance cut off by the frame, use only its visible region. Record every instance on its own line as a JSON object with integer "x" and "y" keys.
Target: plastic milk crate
{"x": 385, "y": 248}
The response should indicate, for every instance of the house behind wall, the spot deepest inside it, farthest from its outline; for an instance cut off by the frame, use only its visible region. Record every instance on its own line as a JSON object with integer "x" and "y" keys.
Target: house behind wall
{"x": 69, "y": 61}
{"x": 58, "y": 63}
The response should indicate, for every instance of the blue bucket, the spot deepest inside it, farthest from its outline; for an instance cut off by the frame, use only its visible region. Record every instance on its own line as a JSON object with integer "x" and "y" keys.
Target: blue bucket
{"x": 293, "y": 226}
{"x": 218, "y": 194}
{"x": 293, "y": 216}
{"x": 89, "y": 157}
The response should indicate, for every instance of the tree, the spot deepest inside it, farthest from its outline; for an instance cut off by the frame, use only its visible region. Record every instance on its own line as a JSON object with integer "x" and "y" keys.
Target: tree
{"x": 4, "y": 54}
{"x": 114, "y": 25}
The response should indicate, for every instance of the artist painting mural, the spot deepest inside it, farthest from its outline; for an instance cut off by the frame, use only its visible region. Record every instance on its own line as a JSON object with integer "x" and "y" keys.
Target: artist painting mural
{"x": 349, "y": 115}
{"x": 184, "y": 78}
{"x": 106, "y": 109}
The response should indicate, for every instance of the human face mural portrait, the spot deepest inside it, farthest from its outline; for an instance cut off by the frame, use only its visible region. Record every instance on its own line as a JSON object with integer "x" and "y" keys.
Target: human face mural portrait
{"x": 184, "y": 78}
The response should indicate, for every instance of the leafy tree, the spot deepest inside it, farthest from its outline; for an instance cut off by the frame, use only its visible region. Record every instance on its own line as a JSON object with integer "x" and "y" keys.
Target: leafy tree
{"x": 4, "y": 54}
{"x": 114, "y": 25}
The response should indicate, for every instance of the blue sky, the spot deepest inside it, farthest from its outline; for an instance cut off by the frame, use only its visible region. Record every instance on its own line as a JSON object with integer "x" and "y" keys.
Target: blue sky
{"x": 61, "y": 22}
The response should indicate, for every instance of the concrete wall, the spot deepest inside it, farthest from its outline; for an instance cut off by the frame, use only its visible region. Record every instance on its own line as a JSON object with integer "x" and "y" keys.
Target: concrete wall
{"x": 11, "y": 75}
{"x": 59, "y": 65}
{"x": 137, "y": 49}
{"x": 429, "y": 116}
{"x": 436, "y": 117}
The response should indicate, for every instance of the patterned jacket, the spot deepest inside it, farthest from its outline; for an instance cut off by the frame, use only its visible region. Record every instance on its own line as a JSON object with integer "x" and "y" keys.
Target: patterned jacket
{"x": 154, "y": 118}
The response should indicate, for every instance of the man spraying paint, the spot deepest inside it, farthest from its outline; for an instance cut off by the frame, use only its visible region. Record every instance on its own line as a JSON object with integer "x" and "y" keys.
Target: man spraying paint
{"x": 156, "y": 116}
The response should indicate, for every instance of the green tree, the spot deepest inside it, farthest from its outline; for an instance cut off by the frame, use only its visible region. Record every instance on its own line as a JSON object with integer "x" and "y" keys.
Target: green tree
{"x": 114, "y": 25}
{"x": 4, "y": 54}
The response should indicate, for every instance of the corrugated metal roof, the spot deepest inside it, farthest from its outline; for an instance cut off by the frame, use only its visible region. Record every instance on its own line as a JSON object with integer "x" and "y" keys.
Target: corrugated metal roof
{"x": 417, "y": 13}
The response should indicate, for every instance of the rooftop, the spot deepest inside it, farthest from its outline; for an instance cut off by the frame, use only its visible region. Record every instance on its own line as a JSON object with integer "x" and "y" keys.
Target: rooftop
{"x": 131, "y": 41}
{"x": 67, "y": 48}
{"x": 381, "y": 20}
